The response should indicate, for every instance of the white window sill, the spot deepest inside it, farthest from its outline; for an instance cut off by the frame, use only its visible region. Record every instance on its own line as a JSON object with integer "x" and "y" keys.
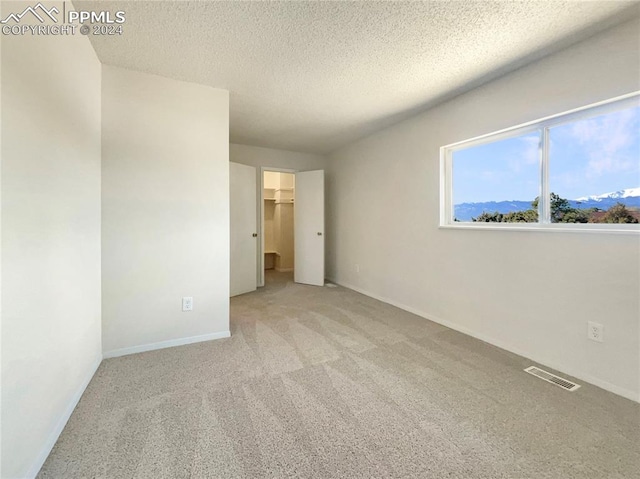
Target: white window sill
{"x": 553, "y": 228}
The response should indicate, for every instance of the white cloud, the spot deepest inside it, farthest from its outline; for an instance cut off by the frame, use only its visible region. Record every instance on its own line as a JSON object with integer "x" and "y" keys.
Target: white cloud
{"x": 608, "y": 164}
{"x": 610, "y": 141}
{"x": 531, "y": 153}
{"x": 491, "y": 175}
{"x": 527, "y": 153}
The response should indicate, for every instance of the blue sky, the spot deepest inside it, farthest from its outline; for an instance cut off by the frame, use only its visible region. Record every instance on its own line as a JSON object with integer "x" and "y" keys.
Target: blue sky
{"x": 589, "y": 157}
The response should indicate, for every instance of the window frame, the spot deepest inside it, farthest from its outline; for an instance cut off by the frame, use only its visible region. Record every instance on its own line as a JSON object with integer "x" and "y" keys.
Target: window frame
{"x": 542, "y": 127}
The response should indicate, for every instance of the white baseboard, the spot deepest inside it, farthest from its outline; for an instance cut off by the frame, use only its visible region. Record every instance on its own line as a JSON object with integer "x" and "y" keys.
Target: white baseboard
{"x": 283, "y": 270}
{"x": 626, "y": 393}
{"x": 165, "y": 344}
{"x": 62, "y": 422}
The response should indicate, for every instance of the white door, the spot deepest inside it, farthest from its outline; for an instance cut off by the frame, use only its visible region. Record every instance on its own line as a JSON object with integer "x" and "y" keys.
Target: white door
{"x": 244, "y": 241}
{"x": 309, "y": 228}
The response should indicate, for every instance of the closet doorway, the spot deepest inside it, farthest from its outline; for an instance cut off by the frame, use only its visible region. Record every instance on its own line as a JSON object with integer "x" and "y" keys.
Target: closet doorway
{"x": 278, "y": 200}
{"x": 291, "y": 226}
{"x": 283, "y": 229}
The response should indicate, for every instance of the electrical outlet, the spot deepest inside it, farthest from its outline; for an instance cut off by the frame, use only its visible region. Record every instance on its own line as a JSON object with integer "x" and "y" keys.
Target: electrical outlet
{"x": 595, "y": 331}
{"x": 187, "y": 303}
{"x": 357, "y": 268}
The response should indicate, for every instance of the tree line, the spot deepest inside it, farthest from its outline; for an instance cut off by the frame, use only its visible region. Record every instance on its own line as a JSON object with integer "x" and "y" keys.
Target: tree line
{"x": 562, "y": 212}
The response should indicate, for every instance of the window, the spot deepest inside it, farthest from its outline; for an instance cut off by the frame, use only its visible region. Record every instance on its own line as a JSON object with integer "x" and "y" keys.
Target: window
{"x": 492, "y": 177}
{"x": 575, "y": 170}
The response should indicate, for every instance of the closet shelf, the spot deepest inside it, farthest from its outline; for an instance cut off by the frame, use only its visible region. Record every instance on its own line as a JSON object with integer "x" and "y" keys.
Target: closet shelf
{"x": 269, "y": 199}
{"x": 284, "y": 189}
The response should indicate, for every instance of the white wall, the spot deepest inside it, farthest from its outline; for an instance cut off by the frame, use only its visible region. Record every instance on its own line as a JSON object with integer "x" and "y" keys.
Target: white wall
{"x": 258, "y": 156}
{"x": 50, "y": 239}
{"x": 165, "y": 211}
{"x": 529, "y": 292}
{"x": 0, "y": 253}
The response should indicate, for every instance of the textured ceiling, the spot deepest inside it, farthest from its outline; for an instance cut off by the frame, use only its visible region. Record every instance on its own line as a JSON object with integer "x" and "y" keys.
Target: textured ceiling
{"x": 313, "y": 76}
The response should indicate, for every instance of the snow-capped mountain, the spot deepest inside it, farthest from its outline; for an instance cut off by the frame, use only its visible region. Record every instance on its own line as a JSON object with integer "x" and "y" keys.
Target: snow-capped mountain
{"x": 626, "y": 193}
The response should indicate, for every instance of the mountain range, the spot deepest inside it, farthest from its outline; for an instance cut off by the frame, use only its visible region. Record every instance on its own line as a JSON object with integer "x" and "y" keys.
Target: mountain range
{"x": 629, "y": 196}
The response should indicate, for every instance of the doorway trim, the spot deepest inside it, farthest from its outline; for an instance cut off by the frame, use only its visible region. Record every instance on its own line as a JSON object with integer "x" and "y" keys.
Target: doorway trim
{"x": 260, "y": 205}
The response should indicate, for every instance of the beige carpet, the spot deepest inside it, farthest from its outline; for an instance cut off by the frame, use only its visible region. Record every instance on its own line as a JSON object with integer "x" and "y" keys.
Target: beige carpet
{"x": 324, "y": 382}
